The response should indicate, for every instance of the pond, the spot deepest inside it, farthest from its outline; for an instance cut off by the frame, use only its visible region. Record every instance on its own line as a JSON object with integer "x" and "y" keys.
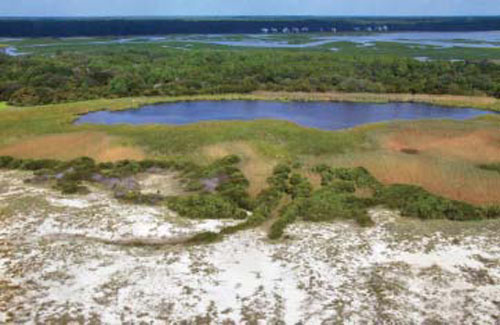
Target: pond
{"x": 320, "y": 115}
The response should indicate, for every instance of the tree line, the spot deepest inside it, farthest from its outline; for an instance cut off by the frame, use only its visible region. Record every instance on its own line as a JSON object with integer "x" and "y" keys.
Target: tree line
{"x": 67, "y": 27}
{"x": 34, "y": 80}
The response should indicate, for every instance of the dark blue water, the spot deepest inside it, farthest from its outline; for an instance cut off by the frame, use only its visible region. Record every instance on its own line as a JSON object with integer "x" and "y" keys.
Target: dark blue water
{"x": 320, "y": 115}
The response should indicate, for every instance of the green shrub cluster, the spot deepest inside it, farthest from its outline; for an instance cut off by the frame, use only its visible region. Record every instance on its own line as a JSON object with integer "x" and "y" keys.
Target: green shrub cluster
{"x": 28, "y": 164}
{"x": 492, "y": 212}
{"x": 206, "y": 206}
{"x": 231, "y": 182}
{"x": 337, "y": 199}
{"x": 325, "y": 204}
{"x": 288, "y": 215}
{"x": 358, "y": 176}
{"x": 206, "y": 237}
{"x": 414, "y": 201}
{"x": 136, "y": 197}
{"x": 299, "y": 188}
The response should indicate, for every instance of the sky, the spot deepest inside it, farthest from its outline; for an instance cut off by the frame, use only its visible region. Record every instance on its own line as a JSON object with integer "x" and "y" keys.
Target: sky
{"x": 248, "y": 7}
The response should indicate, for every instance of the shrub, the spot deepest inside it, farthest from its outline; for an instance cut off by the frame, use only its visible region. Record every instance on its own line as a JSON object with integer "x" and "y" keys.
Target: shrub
{"x": 70, "y": 187}
{"x": 253, "y": 221}
{"x": 194, "y": 185}
{"x": 410, "y": 151}
{"x": 126, "y": 168}
{"x": 229, "y": 160}
{"x": 206, "y": 206}
{"x": 139, "y": 198}
{"x": 342, "y": 186}
{"x": 299, "y": 187}
{"x": 414, "y": 201}
{"x": 495, "y": 167}
{"x": 492, "y": 212}
{"x": 358, "y": 176}
{"x": 15, "y": 163}
{"x": 204, "y": 238}
{"x": 5, "y": 161}
{"x": 327, "y": 204}
{"x": 282, "y": 169}
{"x": 364, "y": 220}
{"x": 288, "y": 215}
{"x": 106, "y": 165}
{"x": 236, "y": 193}
{"x": 34, "y": 165}
{"x": 279, "y": 178}
{"x": 277, "y": 229}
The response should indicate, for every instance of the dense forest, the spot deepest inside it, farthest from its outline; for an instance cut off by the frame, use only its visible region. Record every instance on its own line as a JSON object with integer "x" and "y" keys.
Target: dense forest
{"x": 33, "y": 80}
{"x": 67, "y": 27}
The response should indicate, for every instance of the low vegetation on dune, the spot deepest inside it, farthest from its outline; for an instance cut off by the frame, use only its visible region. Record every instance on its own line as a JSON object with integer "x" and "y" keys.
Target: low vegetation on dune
{"x": 220, "y": 191}
{"x": 338, "y": 199}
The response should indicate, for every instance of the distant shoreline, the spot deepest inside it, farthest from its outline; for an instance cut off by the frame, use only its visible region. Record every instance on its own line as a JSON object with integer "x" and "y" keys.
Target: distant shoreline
{"x": 157, "y": 25}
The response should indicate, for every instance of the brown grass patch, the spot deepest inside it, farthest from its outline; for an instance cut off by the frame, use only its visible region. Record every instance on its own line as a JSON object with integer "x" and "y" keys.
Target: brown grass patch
{"x": 255, "y": 167}
{"x": 66, "y": 146}
{"x": 443, "y": 158}
{"x": 481, "y": 146}
{"x": 454, "y": 179}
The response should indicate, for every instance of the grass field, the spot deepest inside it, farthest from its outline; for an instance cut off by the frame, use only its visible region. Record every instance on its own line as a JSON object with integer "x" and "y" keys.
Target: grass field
{"x": 442, "y": 156}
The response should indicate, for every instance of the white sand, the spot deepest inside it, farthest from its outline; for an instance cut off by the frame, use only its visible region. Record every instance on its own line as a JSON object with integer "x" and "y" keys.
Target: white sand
{"x": 326, "y": 273}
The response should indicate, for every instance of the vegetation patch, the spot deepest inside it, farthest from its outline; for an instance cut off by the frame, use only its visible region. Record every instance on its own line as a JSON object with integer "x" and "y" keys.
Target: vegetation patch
{"x": 495, "y": 167}
{"x": 145, "y": 71}
{"x": 414, "y": 201}
{"x": 337, "y": 198}
{"x": 267, "y": 200}
{"x": 66, "y": 146}
{"x": 206, "y": 206}
{"x": 410, "y": 151}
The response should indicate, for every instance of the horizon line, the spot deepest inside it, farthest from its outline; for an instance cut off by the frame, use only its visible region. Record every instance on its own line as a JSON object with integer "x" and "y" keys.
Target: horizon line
{"x": 254, "y": 15}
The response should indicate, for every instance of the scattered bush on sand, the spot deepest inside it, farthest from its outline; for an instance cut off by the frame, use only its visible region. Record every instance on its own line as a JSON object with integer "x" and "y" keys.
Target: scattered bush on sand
{"x": 229, "y": 197}
{"x": 204, "y": 238}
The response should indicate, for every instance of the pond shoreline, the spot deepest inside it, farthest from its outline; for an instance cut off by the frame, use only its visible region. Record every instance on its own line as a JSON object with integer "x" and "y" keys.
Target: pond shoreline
{"x": 125, "y": 103}
{"x": 323, "y": 115}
